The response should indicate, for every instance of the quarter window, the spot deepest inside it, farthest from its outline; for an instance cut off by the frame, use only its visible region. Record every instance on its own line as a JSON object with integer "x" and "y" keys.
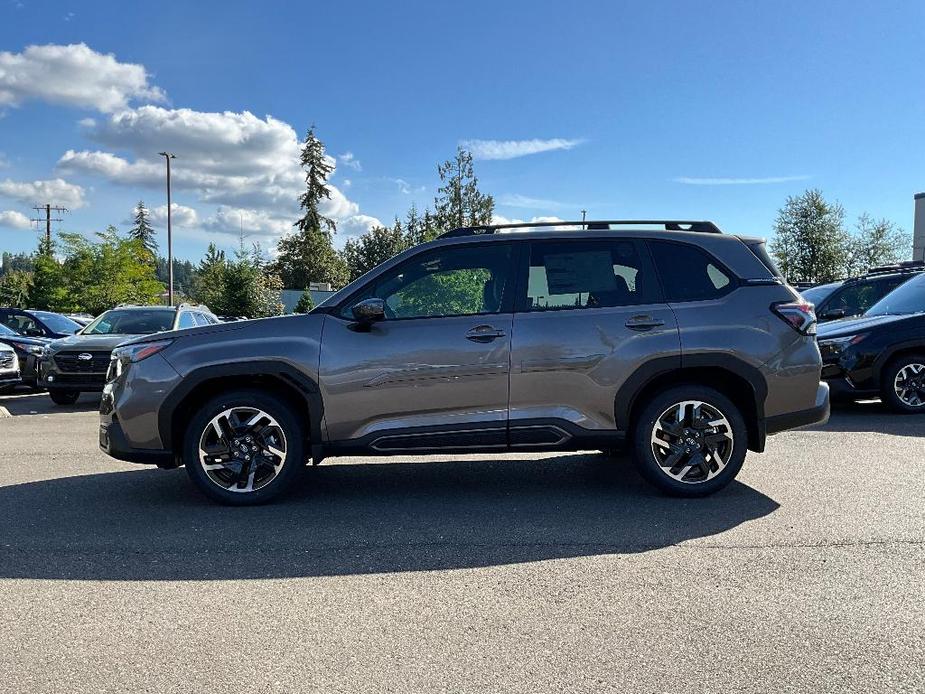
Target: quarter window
{"x": 589, "y": 274}
{"x": 186, "y": 320}
{"x": 689, "y": 273}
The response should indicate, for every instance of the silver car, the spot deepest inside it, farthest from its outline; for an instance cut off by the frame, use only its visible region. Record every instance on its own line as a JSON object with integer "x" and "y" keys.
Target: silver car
{"x": 670, "y": 339}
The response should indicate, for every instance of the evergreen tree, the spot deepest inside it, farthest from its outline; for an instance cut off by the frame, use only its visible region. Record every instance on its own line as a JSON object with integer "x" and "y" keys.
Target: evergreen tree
{"x": 459, "y": 201}
{"x": 373, "y": 248}
{"x": 308, "y": 254}
{"x": 143, "y": 232}
{"x": 305, "y": 303}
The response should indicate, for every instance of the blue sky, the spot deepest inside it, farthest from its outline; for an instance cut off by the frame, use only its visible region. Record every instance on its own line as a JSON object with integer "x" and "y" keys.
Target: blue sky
{"x": 647, "y": 109}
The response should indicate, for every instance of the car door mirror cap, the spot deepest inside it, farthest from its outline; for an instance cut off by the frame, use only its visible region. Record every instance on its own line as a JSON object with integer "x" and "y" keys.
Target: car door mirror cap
{"x": 369, "y": 311}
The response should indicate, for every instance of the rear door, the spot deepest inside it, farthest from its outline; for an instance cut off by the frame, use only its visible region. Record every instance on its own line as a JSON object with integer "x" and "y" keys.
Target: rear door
{"x": 589, "y": 314}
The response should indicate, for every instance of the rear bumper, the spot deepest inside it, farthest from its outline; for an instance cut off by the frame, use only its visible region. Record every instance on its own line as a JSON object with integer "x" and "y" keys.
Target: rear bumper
{"x": 113, "y": 443}
{"x": 818, "y": 414}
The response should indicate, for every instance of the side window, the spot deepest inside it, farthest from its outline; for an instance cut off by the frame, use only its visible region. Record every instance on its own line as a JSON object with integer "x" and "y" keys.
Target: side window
{"x": 23, "y": 324}
{"x": 689, "y": 273}
{"x": 855, "y": 299}
{"x": 186, "y": 320}
{"x": 589, "y": 274}
{"x": 462, "y": 281}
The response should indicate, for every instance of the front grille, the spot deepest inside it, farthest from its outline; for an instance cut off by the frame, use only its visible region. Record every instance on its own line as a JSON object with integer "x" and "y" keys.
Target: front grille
{"x": 92, "y": 380}
{"x": 7, "y": 359}
{"x": 70, "y": 362}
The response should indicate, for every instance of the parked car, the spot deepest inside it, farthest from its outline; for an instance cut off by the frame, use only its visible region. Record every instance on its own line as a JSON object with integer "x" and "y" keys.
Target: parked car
{"x": 28, "y": 352}
{"x": 32, "y": 323}
{"x": 882, "y": 353}
{"x": 683, "y": 344}
{"x": 852, "y": 297}
{"x": 78, "y": 363}
{"x": 9, "y": 368}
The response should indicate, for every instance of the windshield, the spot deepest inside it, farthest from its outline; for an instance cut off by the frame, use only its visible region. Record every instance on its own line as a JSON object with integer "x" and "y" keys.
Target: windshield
{"x": 816, "y": 295}
{"x": 132, "y": 321}
{"x": 57, "y": 322}
{"x": 906, "y": 298}
{"x": 5, "y": 331}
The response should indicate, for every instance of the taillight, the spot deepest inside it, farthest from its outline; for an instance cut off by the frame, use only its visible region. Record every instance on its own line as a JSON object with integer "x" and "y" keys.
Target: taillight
{"x": 799, "y": 315}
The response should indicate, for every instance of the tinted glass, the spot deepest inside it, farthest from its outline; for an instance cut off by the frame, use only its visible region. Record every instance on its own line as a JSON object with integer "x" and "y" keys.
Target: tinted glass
{"x": 57, "y": 322}
{"x": 136, "y": 321}
{"x": 906, "y": 298}
{"x": 6, "y": 332}
{"x": 854, "y": 299}
{"x": 689, "y": 273}
{"x": 816, "y": 295}
{"x": 446, "y": 282}
{"x": 21, "y": 323}
{"x": 588, "y": 274}
{"x": 186, "y": 320}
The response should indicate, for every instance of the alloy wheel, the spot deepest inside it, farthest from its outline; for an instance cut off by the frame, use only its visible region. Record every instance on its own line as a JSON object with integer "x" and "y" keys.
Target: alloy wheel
{"x": 909, "y": 384}
{"x": 242, "y": 449}
{"x": 692, "y": 441}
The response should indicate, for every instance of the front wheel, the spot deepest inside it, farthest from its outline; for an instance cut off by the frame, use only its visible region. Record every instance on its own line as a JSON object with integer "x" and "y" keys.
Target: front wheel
{"x": 903, "y": 384}
{"x": 244, "y": 447}
{"x": 690, "y": 441}
{"x": 63, "y": 397}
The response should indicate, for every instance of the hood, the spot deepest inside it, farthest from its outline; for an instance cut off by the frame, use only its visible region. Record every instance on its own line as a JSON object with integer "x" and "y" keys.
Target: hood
{"x": 851, "y": 326}
{"x": 90, "y": 342}
{"x": 187, "y": 332}
{"x": 23, "y": 340}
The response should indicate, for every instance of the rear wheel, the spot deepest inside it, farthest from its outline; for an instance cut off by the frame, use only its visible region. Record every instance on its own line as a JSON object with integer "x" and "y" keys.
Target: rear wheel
{"x": 244, "y": 447}
{"x": 690, "y": 441}
{"x": 902, "y": 384}
{"x": 63, "y": 397}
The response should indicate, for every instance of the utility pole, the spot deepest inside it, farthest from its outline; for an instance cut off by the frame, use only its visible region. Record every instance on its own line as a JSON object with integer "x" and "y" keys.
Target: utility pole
{"x": 167, "y": 157}
{"x": 583, "y": 213}
{"x": 48, "y": 209}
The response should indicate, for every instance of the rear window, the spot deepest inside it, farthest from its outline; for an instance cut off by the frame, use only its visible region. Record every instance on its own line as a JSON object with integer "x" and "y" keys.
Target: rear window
{"x": 689, "y": 273}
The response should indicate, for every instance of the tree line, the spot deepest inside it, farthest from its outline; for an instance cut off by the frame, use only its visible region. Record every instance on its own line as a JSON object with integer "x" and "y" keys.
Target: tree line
{"x": 73, "y": 273}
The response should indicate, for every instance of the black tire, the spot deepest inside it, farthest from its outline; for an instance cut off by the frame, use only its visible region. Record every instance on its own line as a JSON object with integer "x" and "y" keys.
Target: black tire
{"x": 293, "y": 436}
{"x": 734, "y": 452}
{"x": 63, "y": 397}
{"x": 911, "y": 363}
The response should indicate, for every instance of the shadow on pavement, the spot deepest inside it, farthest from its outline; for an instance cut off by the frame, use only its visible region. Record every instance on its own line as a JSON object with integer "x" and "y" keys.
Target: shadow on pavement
{"x": 874, "y": 417}
{"x": 24, "y": 402}
{"x": 350, "y": 518}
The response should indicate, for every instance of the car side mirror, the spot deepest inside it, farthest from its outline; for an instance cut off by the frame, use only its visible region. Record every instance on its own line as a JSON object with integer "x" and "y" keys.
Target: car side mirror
{"x": 834, "y": 314}
{"x": 369, "y": 311}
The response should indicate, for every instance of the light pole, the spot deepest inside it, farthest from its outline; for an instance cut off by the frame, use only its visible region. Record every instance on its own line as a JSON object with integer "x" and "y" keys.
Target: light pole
{"x": 167, "y": 157}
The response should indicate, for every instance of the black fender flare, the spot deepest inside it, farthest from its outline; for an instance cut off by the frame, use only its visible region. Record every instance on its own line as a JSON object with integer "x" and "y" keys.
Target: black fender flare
{"x": 306, "y": 386}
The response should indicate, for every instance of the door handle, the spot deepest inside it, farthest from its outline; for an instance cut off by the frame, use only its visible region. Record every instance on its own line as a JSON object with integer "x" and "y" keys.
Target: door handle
{"x": 484, "y": 333}
{"x": 643, "y": 323}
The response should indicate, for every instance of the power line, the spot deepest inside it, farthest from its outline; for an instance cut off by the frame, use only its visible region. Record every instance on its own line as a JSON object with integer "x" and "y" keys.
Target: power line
{"x": 48, "y": 209}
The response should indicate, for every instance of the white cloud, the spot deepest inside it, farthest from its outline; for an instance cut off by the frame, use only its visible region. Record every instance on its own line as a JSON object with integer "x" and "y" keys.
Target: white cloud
{"x": 56, "y": 191}
{"x": 511, "y": 149}
{"x": 347, "y": 159}
{"x": 180, "y": 216}
{"x": 499, "y": 219}
{"x": 73, "y": 75}
{"x": 692, "y": 181}
{"x": 234, "y": 220}
{"x": 517, "y": 200}
{"x": 14, "y": 219}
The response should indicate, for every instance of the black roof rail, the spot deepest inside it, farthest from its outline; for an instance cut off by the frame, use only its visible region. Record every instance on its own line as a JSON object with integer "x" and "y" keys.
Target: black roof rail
{"x": 588, "y": 225}
{"x": 906, "y": 266}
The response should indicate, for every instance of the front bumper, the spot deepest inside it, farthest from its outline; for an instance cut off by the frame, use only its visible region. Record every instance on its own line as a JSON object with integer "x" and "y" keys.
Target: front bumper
{"x": 9, "y": 378}
{"x": 114, "y": 443}
{"x": 818, "y": 414}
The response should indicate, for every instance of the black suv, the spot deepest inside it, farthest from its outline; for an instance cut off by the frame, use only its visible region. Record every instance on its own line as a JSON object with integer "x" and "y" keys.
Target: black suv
{"x": 32, "y": 323}
{"x": 78, "y": 363}
{"x": 881, "y": 353}
{"x": 852, "y": 297}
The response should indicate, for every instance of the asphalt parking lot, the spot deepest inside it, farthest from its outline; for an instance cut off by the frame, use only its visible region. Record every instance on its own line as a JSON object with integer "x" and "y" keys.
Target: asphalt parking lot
{"x": 465, "y": 574}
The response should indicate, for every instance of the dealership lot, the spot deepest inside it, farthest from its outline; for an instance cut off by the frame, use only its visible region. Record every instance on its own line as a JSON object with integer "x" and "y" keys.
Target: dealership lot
{"x": 556, "y": 572}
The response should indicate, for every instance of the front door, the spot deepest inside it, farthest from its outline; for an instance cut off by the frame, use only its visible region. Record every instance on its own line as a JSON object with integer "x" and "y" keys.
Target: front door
{"x": 434, "y": 373}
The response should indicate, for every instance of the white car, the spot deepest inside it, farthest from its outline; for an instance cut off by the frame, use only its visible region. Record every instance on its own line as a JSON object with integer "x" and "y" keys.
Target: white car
{"x": 9, "y": 368}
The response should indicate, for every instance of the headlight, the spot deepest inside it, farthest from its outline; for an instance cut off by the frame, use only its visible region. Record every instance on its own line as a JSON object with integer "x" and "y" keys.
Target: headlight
{"x": 836, "y": 345}
{"x": 36, "y": 350}
{"x": 136, "y": 353}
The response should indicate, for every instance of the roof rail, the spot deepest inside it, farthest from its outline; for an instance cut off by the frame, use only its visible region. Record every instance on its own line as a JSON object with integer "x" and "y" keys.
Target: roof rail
{"x": 906, "y": 266}
{"x": 587, "y": 225}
